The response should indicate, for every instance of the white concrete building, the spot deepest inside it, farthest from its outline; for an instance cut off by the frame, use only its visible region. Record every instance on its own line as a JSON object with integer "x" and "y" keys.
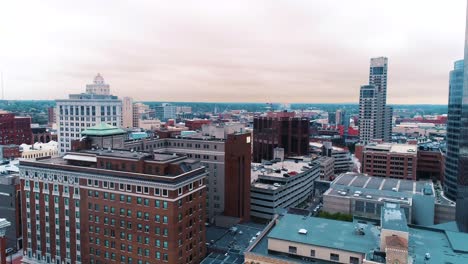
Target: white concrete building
{"x": 39, "y": 150}
{"x": 375, "y": 117}
{"x": 127, "y": 112}
{"x": 81, "y": 111}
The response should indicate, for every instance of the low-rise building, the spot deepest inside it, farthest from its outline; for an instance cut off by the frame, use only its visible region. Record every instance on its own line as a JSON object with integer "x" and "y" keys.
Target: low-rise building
{"x": 341, "y": 156}
{"x": 327, "y": 167}
{"x": 39, "y": 150}
{"x": 280, "y": 185}
{"x": 302, "y": 239}
{"x": 9, "y": 152}
{"x": 361, "y": 195}
{"x": 388, "y": 160}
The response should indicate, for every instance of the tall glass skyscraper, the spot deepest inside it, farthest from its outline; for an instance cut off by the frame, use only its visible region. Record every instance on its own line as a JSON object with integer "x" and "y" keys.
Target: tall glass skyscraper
{"x": 453, "y": 129}
{"x": 462, "y": 177}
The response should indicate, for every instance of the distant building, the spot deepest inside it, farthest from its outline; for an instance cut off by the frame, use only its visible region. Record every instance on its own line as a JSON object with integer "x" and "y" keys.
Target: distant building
{"x": 165, "y": 111}
{"x": 51, "y": 116}
{"x": 15, "y": 129}
{"x": 389, "y": 160}
{"x": 281, "y": 185}
{"x": 43, "y": 134}
{"x": 375, "y": 117}
{"x": 331, "y": 118}
{"x": 327, "y": 167}
{"x": 283, "y": 130}
{"x": 196, "y": 124}
{"x": 183, "y": 109}
{"x": 87, "y": 206}
{"x": 98, "y": 86}
{"x": 82, "y": 111}
{"x": 39, "y": 150}
{"x": 127, "y": 112}
{"x": 9, "y": 152}
{"x": 341, "y": 157}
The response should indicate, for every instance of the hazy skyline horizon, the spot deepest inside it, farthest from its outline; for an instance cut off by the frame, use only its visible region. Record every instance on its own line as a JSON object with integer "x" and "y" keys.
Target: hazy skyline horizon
{"x": 245, "y": 51}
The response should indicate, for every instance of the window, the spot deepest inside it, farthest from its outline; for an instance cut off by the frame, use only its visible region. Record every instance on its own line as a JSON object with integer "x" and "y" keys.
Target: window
{"x": 334, "y": 257}
{"x": 164, "y": 193}
{"x": 157, "y": 191}
{"x": 353, "y": 260}
{"x": 164, "y": 205}
{"x": 312, "y": 252}
{"x": 292, "y": 250}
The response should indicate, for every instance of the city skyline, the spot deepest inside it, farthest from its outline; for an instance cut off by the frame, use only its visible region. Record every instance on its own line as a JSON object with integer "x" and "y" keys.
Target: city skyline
{"x": 240, "y": 51}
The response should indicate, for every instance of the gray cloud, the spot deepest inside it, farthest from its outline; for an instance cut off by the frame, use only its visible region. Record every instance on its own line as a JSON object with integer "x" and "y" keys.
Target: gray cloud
{"x": 280, "y": 51}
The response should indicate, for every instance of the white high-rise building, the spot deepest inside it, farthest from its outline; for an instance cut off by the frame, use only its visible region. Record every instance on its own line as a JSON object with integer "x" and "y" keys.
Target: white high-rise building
{"x": 81, "y": 111}
{"x": 375, "y": 117}
{"x": 98, "y": 86}
{"x": 127, "y": 112}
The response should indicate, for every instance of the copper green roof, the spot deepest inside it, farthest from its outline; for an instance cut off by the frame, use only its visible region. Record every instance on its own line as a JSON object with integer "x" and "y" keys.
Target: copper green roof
{"x": 103, "y": 129}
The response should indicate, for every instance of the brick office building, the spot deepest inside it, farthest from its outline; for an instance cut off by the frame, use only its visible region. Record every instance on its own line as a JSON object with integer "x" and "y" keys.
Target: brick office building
{"x": 399, "y": 161}
{"x": 280, "y": 130}
{"x": 98, "y": 206}
{"x": 15, "y": 129}
{"x": 227, "y": 161}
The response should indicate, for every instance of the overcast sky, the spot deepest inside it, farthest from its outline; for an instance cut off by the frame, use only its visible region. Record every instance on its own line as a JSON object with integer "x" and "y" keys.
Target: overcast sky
{"x": 230, "y": 51}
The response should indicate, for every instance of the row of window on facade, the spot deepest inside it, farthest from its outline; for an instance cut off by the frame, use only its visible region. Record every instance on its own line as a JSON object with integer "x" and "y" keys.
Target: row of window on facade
{"x": 87, "y": 110}
{"x": 138, "y": 188}
{"x": 333, "y": 256}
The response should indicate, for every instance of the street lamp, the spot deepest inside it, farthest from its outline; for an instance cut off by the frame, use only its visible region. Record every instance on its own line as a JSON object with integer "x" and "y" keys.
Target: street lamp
{"x": 3, "y": 226}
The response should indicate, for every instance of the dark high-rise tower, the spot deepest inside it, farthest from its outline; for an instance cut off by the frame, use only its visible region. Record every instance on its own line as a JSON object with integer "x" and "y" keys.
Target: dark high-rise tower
{"x": 462, "y": 177}
{"x": 453, "y": 129}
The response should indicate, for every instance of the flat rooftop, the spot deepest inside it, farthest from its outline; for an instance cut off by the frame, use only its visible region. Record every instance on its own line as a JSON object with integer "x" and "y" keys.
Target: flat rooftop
{"x": 377, "y": 188}
{"x": 177, "y": 168}
{"x": 393, "y": 148}
{"x": 393, "y": 218}
{"x": 326, "y": 233}
{"x": 231, "y": 243}
{"x": 444, "y": 246}
{"x": 278, "y": 169}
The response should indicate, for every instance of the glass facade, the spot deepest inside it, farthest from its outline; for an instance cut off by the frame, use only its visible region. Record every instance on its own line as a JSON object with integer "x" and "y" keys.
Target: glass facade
{"x": 453, "y": 130}
{"x": 462, "y": 177}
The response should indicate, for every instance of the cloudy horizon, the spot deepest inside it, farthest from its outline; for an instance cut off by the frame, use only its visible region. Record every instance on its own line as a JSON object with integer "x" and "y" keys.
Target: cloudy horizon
{"x": 294, "y": 51}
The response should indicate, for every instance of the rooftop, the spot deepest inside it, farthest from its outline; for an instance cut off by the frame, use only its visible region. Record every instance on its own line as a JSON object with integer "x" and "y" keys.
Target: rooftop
{"x": 393, "y": 148}
{"x": 393, "y": 218}
{"x": 326, "y": 233}
{"x": 173, "y": 168}
{"x": 280, "y": 169}
{"x": 378, "y": 188}
{"x": 443, "y": 246}
{"x": 103, "y": 129}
